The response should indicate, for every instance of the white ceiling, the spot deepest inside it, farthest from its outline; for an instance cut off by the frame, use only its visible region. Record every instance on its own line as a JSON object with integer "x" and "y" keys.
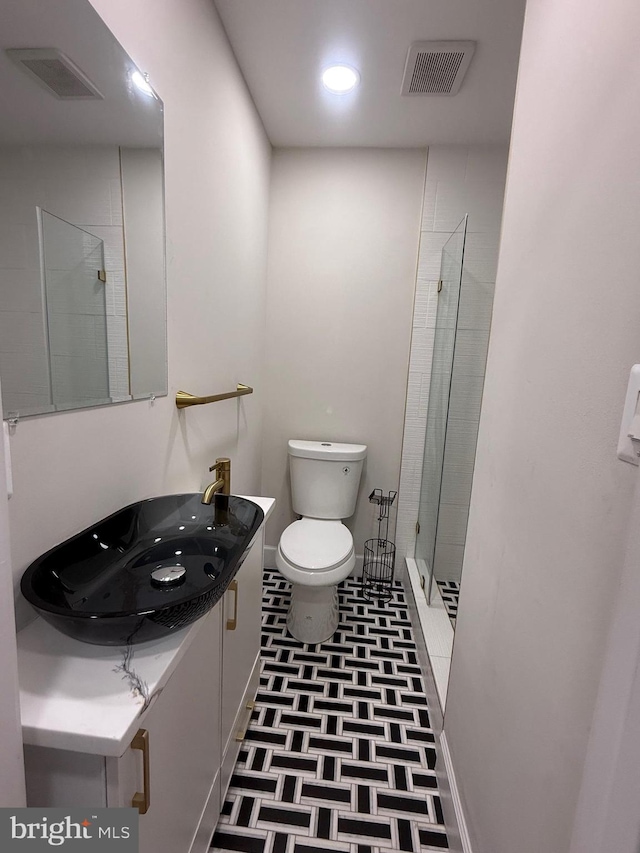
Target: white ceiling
{"x": 282, "y": 46}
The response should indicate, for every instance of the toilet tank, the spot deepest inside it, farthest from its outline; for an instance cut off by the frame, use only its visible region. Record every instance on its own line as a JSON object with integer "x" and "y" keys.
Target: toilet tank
{"x": 325, "y": 477}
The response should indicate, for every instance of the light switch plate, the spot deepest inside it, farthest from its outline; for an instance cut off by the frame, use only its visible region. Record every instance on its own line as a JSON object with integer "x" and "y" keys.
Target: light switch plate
{"x": 627, "y": 449}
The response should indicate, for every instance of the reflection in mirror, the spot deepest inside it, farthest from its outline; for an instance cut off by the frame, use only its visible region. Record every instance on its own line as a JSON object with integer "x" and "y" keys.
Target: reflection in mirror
{"x": 76, "y": 313}
{"x": 82, "y": 279}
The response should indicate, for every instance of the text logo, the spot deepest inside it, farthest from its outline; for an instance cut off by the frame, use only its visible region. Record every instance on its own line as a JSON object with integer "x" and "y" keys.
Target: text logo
{"x": 115, "y": 830}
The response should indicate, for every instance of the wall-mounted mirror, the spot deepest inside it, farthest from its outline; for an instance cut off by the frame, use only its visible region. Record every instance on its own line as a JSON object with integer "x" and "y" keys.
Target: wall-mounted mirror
{"x": 82, "y": 267}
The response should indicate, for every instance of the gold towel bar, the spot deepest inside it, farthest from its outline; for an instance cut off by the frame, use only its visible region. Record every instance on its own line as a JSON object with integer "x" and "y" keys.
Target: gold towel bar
{"x": 183, "y": 399}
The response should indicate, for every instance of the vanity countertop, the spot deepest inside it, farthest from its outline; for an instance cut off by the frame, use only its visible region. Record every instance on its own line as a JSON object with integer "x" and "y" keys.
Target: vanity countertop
{"x": 76, "y": 696}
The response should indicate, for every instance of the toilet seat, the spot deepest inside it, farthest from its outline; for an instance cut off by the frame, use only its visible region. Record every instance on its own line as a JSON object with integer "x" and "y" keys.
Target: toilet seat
{"x": 316, "y": 553}
{"x": 316, "y": 545}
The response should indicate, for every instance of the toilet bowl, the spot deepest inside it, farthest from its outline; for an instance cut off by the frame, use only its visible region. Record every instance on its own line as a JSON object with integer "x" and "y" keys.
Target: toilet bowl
{"x": 317, "y": 553}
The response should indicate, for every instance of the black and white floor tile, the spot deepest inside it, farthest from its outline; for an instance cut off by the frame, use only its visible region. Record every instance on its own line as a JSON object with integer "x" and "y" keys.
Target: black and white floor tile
{"x": 450, "y": 592}
{"x": 339, "y": 755}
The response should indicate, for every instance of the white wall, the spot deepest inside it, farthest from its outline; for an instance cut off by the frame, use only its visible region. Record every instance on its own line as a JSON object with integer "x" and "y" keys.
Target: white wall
{"x": 550, "y": 501}
{"x": 461, "y": 179}
{"x": 71, "y": 469}
{"x": 607, "y": 817}
{"x": 343, "y": 245}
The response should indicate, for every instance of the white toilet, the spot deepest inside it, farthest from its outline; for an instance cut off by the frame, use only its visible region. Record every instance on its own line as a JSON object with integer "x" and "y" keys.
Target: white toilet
{"x": 316, "y": 553}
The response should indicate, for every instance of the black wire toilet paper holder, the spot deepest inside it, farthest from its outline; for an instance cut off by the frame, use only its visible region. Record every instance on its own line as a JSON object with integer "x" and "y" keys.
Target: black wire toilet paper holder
{"x": 379, "y": 553}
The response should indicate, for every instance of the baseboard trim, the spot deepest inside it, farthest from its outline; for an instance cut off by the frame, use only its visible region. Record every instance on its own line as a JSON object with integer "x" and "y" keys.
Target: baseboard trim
{"x": 456, "y": 801}
{"x": 270, "y": 560}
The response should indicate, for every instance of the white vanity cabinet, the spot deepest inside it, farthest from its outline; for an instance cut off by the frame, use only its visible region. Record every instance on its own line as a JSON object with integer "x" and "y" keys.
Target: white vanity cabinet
{"x": 182, "y": 745}
{"x": 89, "y": 743}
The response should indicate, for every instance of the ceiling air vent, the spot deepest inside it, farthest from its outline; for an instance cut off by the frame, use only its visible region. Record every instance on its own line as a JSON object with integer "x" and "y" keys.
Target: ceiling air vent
{"x": 56, "y": 72}
{"x": 436, "y": 67}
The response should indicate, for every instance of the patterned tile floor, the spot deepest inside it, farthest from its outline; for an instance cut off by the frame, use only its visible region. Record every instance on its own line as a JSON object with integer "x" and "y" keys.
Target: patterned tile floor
{"x": 339, "y": 755}
{"x": 450, "y": 592}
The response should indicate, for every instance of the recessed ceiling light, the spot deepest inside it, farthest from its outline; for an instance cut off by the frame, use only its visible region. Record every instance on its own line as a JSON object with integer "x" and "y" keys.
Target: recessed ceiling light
{"x": 340, "y": 79}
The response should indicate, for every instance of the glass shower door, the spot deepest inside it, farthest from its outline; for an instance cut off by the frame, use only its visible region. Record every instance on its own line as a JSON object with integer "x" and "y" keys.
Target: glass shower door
{"x": 438, "y": 407}
{"x": 76, "y": 313}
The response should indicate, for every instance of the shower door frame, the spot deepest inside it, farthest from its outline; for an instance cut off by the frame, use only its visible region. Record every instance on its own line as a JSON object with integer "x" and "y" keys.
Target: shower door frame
{"x": 447, "y": 325}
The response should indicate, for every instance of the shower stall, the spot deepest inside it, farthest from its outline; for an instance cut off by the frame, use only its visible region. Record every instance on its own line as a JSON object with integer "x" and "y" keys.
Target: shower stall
{"x": 455, "y": 281}
{"x": 455, "y": 392}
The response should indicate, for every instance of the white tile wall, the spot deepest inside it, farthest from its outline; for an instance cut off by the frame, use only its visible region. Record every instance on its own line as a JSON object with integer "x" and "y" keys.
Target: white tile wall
{"x": 431, "y": 244}
{"x": 456, "y": 487}
{"x": 74, "y": 335}
{"x": 477, "y": 305}
{"x": 452, "y": 519}
{"x": 69, "y": 293}
{"x": 471, "y": 351}
{"x": 481, "y": 256}
{"x": 466, "y": 397}
{"x": 79, "y": 378}
{"x": 448, "y": 163}
{"x": 448, "y": 559}
{"x": 25, "y": 380}
{"x": 459, "y": 180}
{"x": 116, "y": 294}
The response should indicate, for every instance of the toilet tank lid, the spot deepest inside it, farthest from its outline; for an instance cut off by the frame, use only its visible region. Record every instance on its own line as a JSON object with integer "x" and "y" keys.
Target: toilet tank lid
{"x": 327, "y": 450}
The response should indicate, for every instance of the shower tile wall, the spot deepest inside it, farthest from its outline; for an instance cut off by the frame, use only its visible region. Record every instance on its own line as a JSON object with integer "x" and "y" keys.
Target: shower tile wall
{"x": 460, "y": 179}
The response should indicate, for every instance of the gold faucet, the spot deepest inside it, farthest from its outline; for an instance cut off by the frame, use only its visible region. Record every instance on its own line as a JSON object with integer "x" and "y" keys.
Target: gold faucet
{"x": 222, "y": 484}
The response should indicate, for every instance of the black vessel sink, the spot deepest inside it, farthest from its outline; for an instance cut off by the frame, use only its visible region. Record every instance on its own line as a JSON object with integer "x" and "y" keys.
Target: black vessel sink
{"x": 148, "y": 569}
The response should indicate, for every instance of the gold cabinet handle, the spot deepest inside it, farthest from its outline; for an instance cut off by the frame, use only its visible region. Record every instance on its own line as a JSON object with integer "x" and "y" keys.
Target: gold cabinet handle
{"x": 141, "y": 801}
{"x": 242, "y": 733}
{"x": 232, "y": 623}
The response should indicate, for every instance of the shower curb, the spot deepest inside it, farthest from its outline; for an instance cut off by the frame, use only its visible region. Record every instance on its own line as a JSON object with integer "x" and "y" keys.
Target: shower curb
{"x": 456, "y": 800}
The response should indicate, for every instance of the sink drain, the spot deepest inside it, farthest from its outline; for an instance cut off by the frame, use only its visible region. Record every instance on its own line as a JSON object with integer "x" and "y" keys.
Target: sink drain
{"x": 168, "y": 575}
